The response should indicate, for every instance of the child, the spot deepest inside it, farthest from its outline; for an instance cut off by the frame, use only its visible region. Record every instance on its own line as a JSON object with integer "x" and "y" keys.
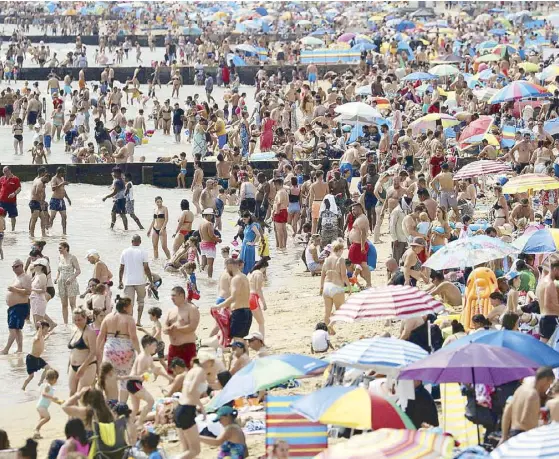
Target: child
{"x": 47, "y": 138}
{"x": 142, "y": 365}
{"x": 319, "y": 340}
{"x": 181, "y": 183}
{"x": 189, "y": 272}
{"x": 232, "y": 198}
{"x": 155, "y": 314}
{"x": 108, "y": 383}
{"x": 33, "y": 361}
{"x": 2, "y": 229}
{"x": 219, "y": 206}
{"x": 149, "y": 443}
{"x": 352, "y": 272}
{"x": 192, "y": 255}
{"x": 152, "y": 289}
{"x": 98, "y": 304}
{"x": 47, "y": 391}
{"x": 424, "y": 224}
{"x": 39, "y": 156}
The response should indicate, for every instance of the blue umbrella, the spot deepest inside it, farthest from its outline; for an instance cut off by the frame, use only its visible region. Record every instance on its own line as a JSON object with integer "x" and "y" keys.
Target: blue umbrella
{"x": 498, "y": 32}
{"x": 521, "y": 343}
{"x": 551, "y": 126}
{"x": 364, "y": 47}
{"x": 420, "y": 76}
{"x": 192, "y": 31}
{"x": 405, "y": 25}
{"x": 261, "y": 11}
{"x": 540, "y": 241}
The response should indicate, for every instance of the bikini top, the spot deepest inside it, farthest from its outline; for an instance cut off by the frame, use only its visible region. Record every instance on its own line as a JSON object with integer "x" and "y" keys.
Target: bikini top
{"x": 79, "y": 344}
{"x": 158, "y": 215}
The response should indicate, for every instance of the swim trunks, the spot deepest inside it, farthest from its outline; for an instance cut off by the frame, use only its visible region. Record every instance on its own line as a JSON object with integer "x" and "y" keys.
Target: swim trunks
{"x": 356, "y": 255}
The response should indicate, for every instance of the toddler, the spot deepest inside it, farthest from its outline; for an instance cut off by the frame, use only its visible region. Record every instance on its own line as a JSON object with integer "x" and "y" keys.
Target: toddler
{"x": 424, "y": 224}
{"x": 319, "y": 340}
{"x": 47, "y": 391}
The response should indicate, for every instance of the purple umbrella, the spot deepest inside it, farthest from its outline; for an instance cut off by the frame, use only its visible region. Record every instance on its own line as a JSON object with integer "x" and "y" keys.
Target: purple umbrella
{"x": 347, "y": 37}
{"x": 473, "y": 363}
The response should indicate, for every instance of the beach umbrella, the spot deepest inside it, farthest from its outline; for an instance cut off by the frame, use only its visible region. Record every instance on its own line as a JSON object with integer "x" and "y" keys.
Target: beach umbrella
{"x": 419, "y": 76}
{"x": 444, "y": 70}
{"x": 429, "y": 121}
{"x": 348, "y": 36}
{"x": 473, "y": 363}
{"x": 361, "y": 38}
{"x": 364, "y": 46}
{"x": 516, "y": 341}
{"x": 479, "y": 126}
{"x": 539, "y": 443}
{"x": 261, "y": 11}
{"x": 469, "y": 252}
{"x": 529, "y": 67}
{"x": 488, "y": 58}
{"x": 489, "y": 44}
{"x": 550, "y": 72}
{"x": 392, "y": 444}
{"x": 485, "y": 74}
{"x": 518, "y": 90}
{"x": 405, "y": 25}
{"x": 246, "y": 49}
{"x": 378, "y": 353}
{"x": 502, "y": 50}
{"x": 390, "y": 302}
{"x": 448, "y": 59}
{"x": 551, "y": 126}
{"x": 540, "y": 241}
{"x": 498, "y": 32}
{"x": 267, "y": 372}
{"x": 526, "y": 182}
{"x": 312, "y": 41}
{"x": 485, "y": 94}
{"x": 358, "y": 112}
{"x": 351, "y": 407}
{"x": 192, "y": 30}
{"x": 481, "y": 167}
{"x": 304, "y": 22}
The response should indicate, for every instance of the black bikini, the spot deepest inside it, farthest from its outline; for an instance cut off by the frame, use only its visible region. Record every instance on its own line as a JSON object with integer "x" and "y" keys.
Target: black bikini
{"x": 155, "y": 217}
{"x": 80, "y": 345}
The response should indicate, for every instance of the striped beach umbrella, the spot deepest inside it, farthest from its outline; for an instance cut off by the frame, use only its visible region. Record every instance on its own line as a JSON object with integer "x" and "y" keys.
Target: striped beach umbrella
{"x": 390, "y": 302}
{"x": 485, "y": 94}
{"x": 429, "y": 122}
{"x": 539, "y": 443}
{"x": 479, "y": 126}
{"x": 518, "y": 90}
{"x": 392, "y": 443}
{"x": 353, "y": 407}
{"x": 481, "y": 167}
{"x": 526, "y": 182}
{"x": 378, "y": 353}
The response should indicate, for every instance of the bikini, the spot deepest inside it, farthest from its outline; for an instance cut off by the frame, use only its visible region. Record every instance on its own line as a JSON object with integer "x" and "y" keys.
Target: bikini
{"x": 80, "y": 345}
{"x": 155, "y": 217}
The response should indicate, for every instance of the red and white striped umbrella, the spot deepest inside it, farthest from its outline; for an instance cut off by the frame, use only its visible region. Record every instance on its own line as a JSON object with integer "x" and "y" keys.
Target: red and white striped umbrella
{"x": 390, "y": 302}
{"x": 481, "y": 167}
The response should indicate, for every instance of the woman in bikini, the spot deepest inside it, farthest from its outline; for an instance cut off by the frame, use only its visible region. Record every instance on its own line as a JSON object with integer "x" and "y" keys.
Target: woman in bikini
{"x": 257, "y": 302}
{"x": 333, "y": 281}
{"x": 159, "y": 227}
{"x": 440, "y": 231}
{"x": 118, "y": 341}
{"x": 184, "y": 226}
{"x": 500, "y": 208}
{"x": 83, "y": 348}
{"x": 197, "y": 185}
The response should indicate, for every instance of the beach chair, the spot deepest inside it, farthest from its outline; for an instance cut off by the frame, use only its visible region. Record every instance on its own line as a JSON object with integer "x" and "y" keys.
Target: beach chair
{"x": 306, "y": 439}
{"x": 454, "y": 420}
{"x": 109, "y": 440}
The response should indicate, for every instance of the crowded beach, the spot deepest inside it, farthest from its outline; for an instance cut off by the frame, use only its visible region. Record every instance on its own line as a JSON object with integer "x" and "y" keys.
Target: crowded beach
{"x": 388, "y": 288}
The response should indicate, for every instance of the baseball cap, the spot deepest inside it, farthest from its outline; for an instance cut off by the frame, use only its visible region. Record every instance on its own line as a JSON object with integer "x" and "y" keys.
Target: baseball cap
{"x": 91, "y": 253}
{"x": 254, "y": 335}
{"x": 225, "y": 411}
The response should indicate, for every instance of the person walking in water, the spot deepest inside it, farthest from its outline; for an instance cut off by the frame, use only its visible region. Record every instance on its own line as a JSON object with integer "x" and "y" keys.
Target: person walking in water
{"x": 119, "y": 198}
{"x": 57, "y": 204}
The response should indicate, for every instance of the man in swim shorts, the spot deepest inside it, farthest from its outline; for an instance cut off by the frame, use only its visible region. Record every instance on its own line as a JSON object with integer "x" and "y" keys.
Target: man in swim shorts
{"x": 281, "y": 202}
{"x": 238, "y": 301}
{"x": 358, "y": 238}
{"x": 209, "y": 240}
{"x": 180, "y": 324}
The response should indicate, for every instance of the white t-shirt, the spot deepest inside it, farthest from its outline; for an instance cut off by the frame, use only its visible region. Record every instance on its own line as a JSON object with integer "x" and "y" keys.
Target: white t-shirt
{"x": 320, "y": 341}
{"x": 133, "y": 259}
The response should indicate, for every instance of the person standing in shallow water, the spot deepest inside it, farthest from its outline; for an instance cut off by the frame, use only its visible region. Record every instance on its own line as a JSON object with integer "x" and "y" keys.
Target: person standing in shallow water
{"x": 119, "y": 198}
{"x": 57, "y": 204}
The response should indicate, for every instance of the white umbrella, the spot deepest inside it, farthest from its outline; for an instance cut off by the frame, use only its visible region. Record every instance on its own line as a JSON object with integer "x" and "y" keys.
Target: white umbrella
{"x": 358, "y": 112}
{"x": 444, "y": 70}
{"x": 312, "y": 41}
{"x": 364, "y": 90}
{"x": 485, "y": 94}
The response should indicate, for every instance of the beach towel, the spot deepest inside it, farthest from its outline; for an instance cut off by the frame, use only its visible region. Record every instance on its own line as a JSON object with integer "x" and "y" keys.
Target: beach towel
{"x": 306, "y": 439}
{"x": 454, "y": 416}
{"x": 222, "y": 318}
{"x": 508, "y": 136}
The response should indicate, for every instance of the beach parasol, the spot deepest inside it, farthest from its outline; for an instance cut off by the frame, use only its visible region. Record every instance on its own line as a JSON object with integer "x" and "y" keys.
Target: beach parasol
{"x": 364, "y": 46}
{"x": 358, "y": 112}
{"x": 430, "y": 122}
{"x": 469, "y": 252}
{"x": 488, "y": 58}
{"x": 448, "y": 59}
{"x": 473, "y": 363}
{"x": 485, "y": 94}
{"x": 518, "y": 90}
{"x": 540, "y": 241}
{"x": 390, "y": 302}
{"x": 479, "y": 126}
{"x": 527, "y": 182}
{"x": 378, "y": 353}
{"x": 392, "y": 444}
{"x": 267, "y": 372}
{"x": 348, "y": 36}
{"x": 539, "y": 443}
{"x": 502, "y": 50}
{"x": 550, "y": 72}
{"x": 481, "y": 167}
{"x": 444, "y": 70}
{"x": 419, "y": 76}
{"x": 351, "y": 407}
{"x": 551, "y": 126}
{"x": 489, "y": 44}
{"x": 312, "y": 41}
{"x": 529, "y": 67}
{"x": 516, "y": 341}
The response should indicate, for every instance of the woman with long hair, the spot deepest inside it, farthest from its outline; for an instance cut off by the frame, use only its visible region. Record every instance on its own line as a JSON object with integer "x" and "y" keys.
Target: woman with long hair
{"x": 159, "y": 227}
{"x": 88, "y": 404}
{"x": 83, "y": 359}
{"x": 251, "y": 236}
{"x": 38, "y": 297}
{"x": 67, "y": 273}
{"x": 257, "y": 302}
{"x": 184, "y": 226}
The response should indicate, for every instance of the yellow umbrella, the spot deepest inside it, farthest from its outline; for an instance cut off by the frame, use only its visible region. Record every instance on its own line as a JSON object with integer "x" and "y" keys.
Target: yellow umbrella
{"x": 376, "y": 18}
{"x": 530, "y": 182}
{"x": 339, "y": 45}
{"x": 286, "y": 16}
{"x": 529, "y": 66}
{"x": 220, "y": 15}
{"x": 462, "y": 116}
{"x": 551, "y": 88}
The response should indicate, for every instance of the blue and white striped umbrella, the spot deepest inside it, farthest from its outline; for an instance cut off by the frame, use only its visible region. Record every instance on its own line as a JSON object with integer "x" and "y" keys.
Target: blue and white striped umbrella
{"x": 420, "y": 76}
{"x": 539, "y": 443}
{"x": 377, "y": 354}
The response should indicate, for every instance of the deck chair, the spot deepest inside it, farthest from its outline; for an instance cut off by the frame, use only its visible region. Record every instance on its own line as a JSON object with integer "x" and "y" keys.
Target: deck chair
{"x": 454, "y": 420}
{"x": 306, "y": 439}
{"x": 109, "y": 440}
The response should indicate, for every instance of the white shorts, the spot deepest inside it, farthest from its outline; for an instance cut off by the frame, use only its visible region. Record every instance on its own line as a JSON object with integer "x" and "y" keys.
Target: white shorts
{"x": 208, "y": 249}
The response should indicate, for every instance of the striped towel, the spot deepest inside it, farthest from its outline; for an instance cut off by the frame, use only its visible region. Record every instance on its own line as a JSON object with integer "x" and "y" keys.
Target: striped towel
{"x": 306, "y": 439}
{"x": 454, "y": 416}
{"x": 508, "y": 136}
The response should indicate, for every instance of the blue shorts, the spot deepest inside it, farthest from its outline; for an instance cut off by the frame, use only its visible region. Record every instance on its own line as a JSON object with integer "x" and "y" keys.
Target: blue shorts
{"x": 222, "y": 140}
{"x": 35, "y": 206}
{"x": 177, "y": 128}
{"x": 54, "y": 91}
{"x": 312, "y": 77}
{"x": 47, "y": 139}
{"x": 17, "y": 315}
{"x": 10, "y": 208}
{"x": 119, "y": 207}
{"x": 219, "y": 300}
{"x": 57, "y": 204}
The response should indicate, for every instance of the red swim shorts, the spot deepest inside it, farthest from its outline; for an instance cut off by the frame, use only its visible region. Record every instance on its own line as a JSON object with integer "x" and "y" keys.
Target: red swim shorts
{"x": 356, "y": 256}
{"x": 187, "y": 352}
{"x": 281, "y": 216}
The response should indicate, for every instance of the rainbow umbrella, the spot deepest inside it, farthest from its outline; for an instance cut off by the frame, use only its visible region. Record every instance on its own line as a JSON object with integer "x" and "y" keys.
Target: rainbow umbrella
{"x": 430, "y": 122}
{"x": 539, "y": 443}
{"x": 518, "y": 90}
{"x": 503, "y": 50}
{"x": 351, "y": 407}
{"x": 392, "y": 444}
{"x": 267, "y": 372}
{"x": 527, "y": 182}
